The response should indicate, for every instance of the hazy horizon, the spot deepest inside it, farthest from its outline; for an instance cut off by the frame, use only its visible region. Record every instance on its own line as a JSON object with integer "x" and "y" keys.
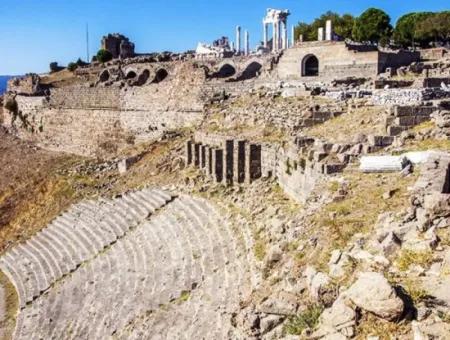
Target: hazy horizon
{"x": 37, "y": 33}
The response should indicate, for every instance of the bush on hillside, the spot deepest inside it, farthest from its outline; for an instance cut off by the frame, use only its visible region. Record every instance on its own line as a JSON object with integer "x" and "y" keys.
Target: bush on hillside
{"x": 72, "y": 67}
{"x": 54, "y": 67}
{"x": 104, "y": 56}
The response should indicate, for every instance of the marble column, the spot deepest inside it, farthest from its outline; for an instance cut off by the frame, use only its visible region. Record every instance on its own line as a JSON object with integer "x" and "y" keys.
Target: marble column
{"x": 238, "y": 39}
{"x": 285, "y": 35}
{"x": 246, "y": 43}
{"x": 266, "y": 35}
{"x": 292, "y": 35}
{"x": 320, "y": 34}
{"x": 329, "y": 30}
{"x": 275, "y": 37}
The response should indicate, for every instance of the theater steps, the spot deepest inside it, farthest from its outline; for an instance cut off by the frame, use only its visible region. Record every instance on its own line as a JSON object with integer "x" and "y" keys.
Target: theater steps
{"x": 141, "y": 266}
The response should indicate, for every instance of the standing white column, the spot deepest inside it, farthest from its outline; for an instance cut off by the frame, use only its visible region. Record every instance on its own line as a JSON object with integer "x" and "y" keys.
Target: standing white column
{"x": 280, "y": 36}
{"x": 247, "y": 43}
{"x": 293, "y": 36}
{"x": 329, "y": 30}
{"x": 238, "y": 39}
{"x": 266, "y": 35}
{"x": 285, "y": 35}
{"x": 275, "y": 37}
{"x": 320, "y": 34}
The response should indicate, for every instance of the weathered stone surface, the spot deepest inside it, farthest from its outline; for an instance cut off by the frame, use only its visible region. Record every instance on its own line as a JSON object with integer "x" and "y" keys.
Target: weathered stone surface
{"x": 383, "y": 163}
{"x": 372, "y": 293}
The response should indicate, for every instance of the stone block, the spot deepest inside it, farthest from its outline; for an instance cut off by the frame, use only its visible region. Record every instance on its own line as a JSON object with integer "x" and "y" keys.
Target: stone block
{"x": 228, "y": 162}
{"x": 395, "y": 130}
{"x": 217, "y": 165}
{"x": 125, "y": 164}
{"x": 380, "y": 140}
{"x": 239, "y": 161}
{"x": 188, "y": 152}
{"x": 383, "y": 163}
{"x": 334, "y": 168}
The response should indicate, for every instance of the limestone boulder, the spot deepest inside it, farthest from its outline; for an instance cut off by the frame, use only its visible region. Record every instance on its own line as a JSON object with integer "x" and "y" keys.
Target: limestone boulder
{"x": 373, "y": 293}
{"x": 338, "y": 320}
{"x": 316, "y": 282}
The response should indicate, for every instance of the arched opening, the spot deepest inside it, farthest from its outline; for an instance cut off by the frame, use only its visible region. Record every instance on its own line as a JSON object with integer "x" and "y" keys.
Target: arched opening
{"x": 251, "y": 71}
{"x": 131, "y": 75}
{"x": 104, "y": 76}
{"x": 225, "y": 71}
{"x": 310, "y": 66}
{"x": 143, "y": 77}
{"x": 160, "y": 75}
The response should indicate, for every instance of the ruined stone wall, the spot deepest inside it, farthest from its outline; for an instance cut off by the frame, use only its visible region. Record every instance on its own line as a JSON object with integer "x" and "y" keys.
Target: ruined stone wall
{"x": 335, "y": 61}
{"x": 395, "y": 59}
{"x": 100, "y": 120}
{"x": 79, "y": 97}
{"x": 407, "y": 96}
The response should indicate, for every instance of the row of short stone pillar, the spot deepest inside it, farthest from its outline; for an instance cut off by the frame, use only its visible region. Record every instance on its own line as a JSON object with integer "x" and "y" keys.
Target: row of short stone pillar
{"x": 237, "y": 161}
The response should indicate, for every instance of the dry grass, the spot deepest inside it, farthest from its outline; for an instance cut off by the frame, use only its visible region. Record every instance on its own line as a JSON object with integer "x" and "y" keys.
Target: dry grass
{"x": 427, "y": 144}
{"x": 8, "y": 320}
{"x": 337, "y": 222}
{"x": 407, "y": 258}
{"x": 370, "y": 325}
{"x": 362, "y": 120}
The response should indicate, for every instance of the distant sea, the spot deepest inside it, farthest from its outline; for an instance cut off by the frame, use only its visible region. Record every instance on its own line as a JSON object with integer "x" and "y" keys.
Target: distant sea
{"x": 3, "y": 82}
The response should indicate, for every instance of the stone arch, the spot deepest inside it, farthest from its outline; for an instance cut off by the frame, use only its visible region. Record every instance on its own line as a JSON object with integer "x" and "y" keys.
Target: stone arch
{"x": 310, "y": 66}
{"x": 130, "y": 74}
{"x": 160, "y": 75}
{"x": 251, "y": 70}
{"x": 104, "y": 76}
{"x": 226, "y": 70}
{"x": 143, "y": 77}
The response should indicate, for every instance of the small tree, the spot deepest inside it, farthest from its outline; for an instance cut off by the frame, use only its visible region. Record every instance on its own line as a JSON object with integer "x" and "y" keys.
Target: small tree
{"x": 372, "y": 26}
{"x": 406, "y": 34}
{"x": 435, "y": 28}
{"x": 54, "y": 67}
{"x": 72, "y": 67}
{"x": 104, "y": 56}
{"x": 81, "y": 63}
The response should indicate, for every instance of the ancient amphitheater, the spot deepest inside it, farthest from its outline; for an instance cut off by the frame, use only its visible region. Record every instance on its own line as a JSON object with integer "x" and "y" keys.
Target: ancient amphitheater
{"x": 148, "y": 262}
{"x": 298, "y": 191}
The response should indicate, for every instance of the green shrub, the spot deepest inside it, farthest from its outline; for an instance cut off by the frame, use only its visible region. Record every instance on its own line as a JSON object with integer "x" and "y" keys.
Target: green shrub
{"x": 309, "y": 319}
{"x": 81, "y": 63}
{"x": 104, "y": 56}
{"x": 72, "y": 67}
{"x": 409, "y": 257}
{"x": 54, "y": 67}
{"x": 11, "y": 105}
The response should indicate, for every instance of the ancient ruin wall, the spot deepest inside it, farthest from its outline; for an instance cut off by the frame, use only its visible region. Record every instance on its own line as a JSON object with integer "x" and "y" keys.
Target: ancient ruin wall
{"x": 100, "y": 120}
{"x": 335, "y": 61}
{"x": 80, "y": 97}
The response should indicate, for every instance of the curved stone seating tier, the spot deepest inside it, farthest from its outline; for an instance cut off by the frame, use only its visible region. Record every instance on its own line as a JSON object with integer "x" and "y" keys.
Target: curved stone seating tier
{"x": 116, "y": 269}
{"x": 74, "y": 237}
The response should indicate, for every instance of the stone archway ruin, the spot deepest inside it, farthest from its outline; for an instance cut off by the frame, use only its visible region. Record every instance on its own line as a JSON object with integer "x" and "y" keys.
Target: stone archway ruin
{"x": 160, "y": 75}
{"x": 104, "y": 76}
{"x": 143, "y": 77}
{"x": 130, "y": 74}
{"x": 310, "y": 66}
{"x": 252, "y": 70}
{"x": 225, "y": 71}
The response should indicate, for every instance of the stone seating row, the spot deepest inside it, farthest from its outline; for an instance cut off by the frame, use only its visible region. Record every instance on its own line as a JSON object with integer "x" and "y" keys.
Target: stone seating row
{"x": 178, "y": 274}
{"x": 73, "y": 238}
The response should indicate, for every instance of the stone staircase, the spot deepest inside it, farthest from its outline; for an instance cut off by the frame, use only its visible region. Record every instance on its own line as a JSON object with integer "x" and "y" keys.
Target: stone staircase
{"x": 144, "y": 265}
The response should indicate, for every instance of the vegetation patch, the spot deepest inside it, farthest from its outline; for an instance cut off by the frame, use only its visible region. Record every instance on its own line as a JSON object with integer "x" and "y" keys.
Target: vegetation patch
{"x": 309, "y": 319}
{"x": 407, "y": 258}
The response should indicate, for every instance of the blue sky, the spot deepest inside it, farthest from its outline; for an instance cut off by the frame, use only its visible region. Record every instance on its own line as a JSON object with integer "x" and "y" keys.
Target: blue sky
{"x": 35, "y": 32}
